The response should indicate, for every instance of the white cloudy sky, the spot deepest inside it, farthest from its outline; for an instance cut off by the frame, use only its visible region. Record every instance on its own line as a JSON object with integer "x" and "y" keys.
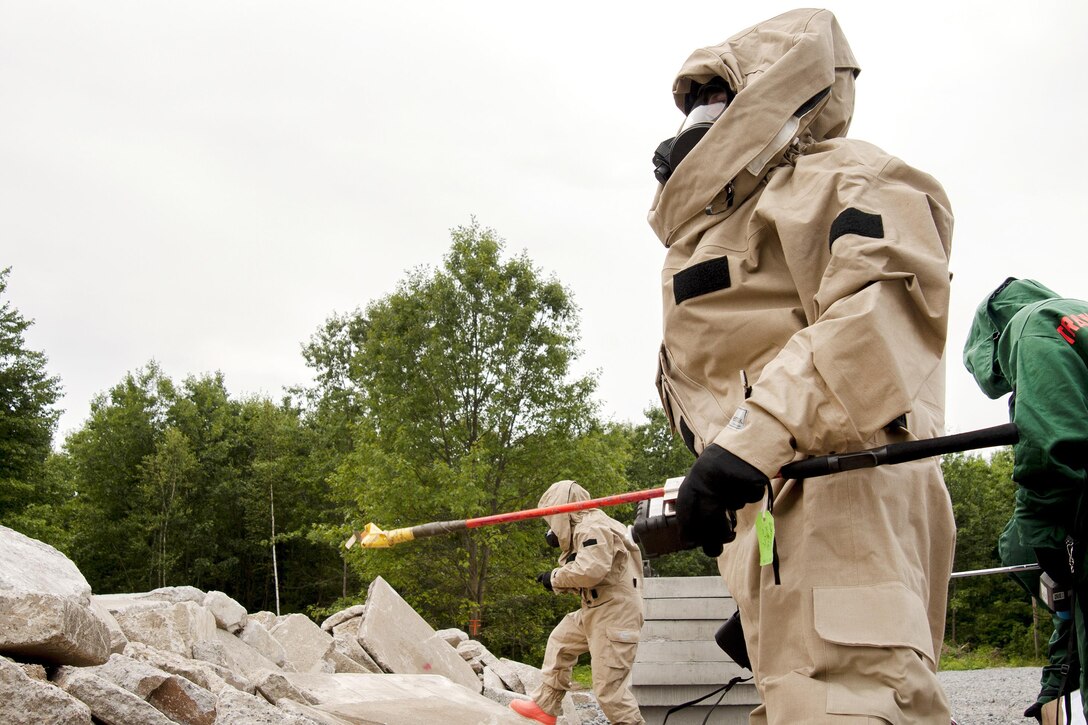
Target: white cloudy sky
{"x": 204, "y": 183}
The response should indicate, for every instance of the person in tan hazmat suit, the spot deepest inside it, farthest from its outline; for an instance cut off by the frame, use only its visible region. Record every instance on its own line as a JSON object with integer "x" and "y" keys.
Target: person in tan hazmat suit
{"x": 600, "y": 564}
{"x": 806, "y": 295}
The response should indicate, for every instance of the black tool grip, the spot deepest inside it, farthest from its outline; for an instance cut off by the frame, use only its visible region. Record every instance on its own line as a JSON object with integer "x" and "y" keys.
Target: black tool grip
{"x": 998, "y": 435}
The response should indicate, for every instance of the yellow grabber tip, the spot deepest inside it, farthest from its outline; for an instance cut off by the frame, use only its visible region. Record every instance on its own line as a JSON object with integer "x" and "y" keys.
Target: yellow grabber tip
{"x": 372, "y": 537}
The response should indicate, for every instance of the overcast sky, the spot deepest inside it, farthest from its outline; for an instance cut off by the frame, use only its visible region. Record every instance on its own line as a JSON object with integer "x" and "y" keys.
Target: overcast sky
{"x": 204, "y": 183}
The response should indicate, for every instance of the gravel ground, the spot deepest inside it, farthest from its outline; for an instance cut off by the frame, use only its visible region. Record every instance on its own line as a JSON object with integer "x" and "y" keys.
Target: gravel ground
{"x": 996, "y": 696}
{"x": 989, "y": 697}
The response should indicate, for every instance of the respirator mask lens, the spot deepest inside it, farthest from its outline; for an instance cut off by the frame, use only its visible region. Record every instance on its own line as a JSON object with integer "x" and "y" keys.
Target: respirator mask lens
{"x": 670, "y": 153}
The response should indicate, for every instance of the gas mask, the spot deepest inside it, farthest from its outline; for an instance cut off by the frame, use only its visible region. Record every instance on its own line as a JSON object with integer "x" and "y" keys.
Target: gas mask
{"x": 552, "y": 539}
{"x": 708, "y": 105}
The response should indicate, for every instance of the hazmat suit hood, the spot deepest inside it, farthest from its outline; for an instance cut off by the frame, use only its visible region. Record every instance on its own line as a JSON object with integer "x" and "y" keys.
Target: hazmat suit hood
{"x": 991, "y": 320}
{"x": 793, "y": 77}
{"x": 563, "y": 525}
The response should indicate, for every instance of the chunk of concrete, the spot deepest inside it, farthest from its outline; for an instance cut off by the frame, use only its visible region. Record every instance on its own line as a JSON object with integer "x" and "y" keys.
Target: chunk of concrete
{"x": 470, "y": 649}
{"x": 401, "y": 641}
{"x": 114, "y": 603}
{"x": 274, "y": 686}
{"x": 305, "y": 644}
{"x": 109, "y": 703}
{"x": 503, "y": 696}
{"x": 267, "y": 619}
{"x": 509, "y": 676}
{"x": 27, "y": 700}
{"x": 355, "y": 610}
{"x": 51, "y": 629}
{"x": 174, "y": 628}
{"x": 229, "y": 614}
{"x": 176, "y": 595}
{"x": 581, "y": 707}
{"x": 211, "y": 677}
{"x": 178, "y": 698}
{"x": 258, "y": 637}
{"x": 228, "y": 651}
{"x": 28, "y": 565}
{"x": 234, "y": 707}
{"x": 402, "y": 700}
{"x": 318, "y": 716}
{"x": 345, "y": 639}
{"x": 118, "y": 640}
{"x": 452, "y": 636}
{"x": 530, "y": 677}
{"x": 493, "y": 681}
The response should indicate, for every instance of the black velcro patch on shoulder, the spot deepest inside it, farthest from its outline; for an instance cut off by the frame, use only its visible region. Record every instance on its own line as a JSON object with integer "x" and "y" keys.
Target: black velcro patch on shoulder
{"x": 856, "y": 221}
{"x": 588, "y": 542}
{"x": 700, "y": 279}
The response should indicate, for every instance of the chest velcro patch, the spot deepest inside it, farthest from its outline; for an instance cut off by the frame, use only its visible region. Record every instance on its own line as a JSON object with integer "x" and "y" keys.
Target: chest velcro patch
{"x": 856, "y": 221}
{"x": 588, "y": 542}
{"x": 700, "y": 279}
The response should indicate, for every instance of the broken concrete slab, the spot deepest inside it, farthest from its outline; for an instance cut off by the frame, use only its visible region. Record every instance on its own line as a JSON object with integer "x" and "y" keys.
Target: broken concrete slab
{"x": 234, "y": 707}
{"x": 503, "y": 697}
{"x": 402, "y": 700}
{"x": 211, "y": 677}
{"x": 508, "y": 675}
{"x": 229, "y": 614}
{"x": 180, "y": 699}
{"x": 267, "y": 619}
{"x": 401, "y": 641}
{"x": 318, "y": 716}
{"x": 580, "y": 707}
{"x": 258, "y": 637}
{"x": 26, "y": 700}
{"x": 176, "y": 595}
{"x": 51, "y": 629}
{"x": 274, "y": 686}
{"x": 305, "y": 644}
{"x": 470, "y": 649}
{"x": 452, "y": 636}
{"x": 29, "y": 565}
{"x": 174, "y": 628}
{"x": 228, "y": 651}
{"x": 355, "y": 610}
{"x": 118, "y": 640}
{"x": 109, "y": 703}
{"x": 345, "y": 638}
{"x": 529, "y": 676}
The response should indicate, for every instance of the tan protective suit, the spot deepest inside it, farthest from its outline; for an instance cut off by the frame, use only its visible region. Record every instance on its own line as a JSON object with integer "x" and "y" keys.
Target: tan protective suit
{"x": 605, "y": 570}
{"x": 819, "y": 266}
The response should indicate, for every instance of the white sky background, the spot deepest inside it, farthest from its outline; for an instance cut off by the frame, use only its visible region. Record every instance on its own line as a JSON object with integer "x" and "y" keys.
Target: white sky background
{"x": 204, "y": 183}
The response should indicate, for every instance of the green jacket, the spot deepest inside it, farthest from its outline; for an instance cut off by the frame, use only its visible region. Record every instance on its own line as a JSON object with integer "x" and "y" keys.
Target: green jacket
{"x": 1027, "y": 340}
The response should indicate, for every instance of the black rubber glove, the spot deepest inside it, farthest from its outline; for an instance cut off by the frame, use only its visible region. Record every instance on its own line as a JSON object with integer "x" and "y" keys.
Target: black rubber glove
{"x": 546, "y": 580}
{"x": 717, "y": 484}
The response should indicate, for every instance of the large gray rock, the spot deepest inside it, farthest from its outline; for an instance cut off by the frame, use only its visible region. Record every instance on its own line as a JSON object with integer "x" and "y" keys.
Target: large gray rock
{"x": 402, "y": 700}
{"x": 178, "y": 698}
{"x": 345, "y": 638}
{"x": 355, "y": 610}
{"x": 318, "y": 716}
{"x": 51, "y": 629}
{"x": 229, "y": 614}
{"x": 27, "y": 701}
{"x": 109, "y": 703}
{"x": 530, "y": 677}
{"x": 508, "y": 674}
{"x": 173, "y": 628}
{"x": 266, "y": 618}
{"x": 228, "y": 651}
{"x": 238, "y": 708}
{"x": 401, "y": 641}
{"x": 452, "y": 636}
{"x": 176, "y": 595}
{"x": 306, "y": 645}
{"x": 258, "y": 637}
{"x": 275, "y": 686}
{"x": 29, "y": 565}
{"x": 211, "y": 677}
{"x": 118, "y": 640}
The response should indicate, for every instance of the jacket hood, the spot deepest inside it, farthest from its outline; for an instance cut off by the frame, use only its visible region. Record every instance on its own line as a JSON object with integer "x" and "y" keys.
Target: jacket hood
{"x": 991, "y": 320}
{"x": 559, "y": 493}
{"x": 794, "y": 81}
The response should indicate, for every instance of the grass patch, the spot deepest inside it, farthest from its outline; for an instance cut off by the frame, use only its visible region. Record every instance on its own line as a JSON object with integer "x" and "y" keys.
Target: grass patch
{"x": 983, "y": 658}
{"x": 583, "y": 675}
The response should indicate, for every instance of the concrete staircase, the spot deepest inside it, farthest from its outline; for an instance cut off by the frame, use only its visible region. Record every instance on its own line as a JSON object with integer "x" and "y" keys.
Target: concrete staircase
{"x": 678, "y": 659}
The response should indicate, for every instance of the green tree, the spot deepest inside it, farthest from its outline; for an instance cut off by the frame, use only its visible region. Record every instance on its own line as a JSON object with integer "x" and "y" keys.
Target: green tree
{"x": 984, "y": 611}
{"x": 28, "y": 418}
{"x": 471, "y": 410}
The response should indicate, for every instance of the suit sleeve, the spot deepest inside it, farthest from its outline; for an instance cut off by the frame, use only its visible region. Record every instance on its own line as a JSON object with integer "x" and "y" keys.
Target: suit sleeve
{"x": 1050, "y": 409}
{"x": 596, "y": 549}
{"x": 879, "y": 321}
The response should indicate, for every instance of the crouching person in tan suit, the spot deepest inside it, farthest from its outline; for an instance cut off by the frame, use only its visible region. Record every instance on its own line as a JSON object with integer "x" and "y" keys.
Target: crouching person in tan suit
{"x": 600, "y": 564}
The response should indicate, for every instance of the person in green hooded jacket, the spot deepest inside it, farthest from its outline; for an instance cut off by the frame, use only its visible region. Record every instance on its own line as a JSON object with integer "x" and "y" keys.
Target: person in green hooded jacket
{"x": 1027, "y": 340}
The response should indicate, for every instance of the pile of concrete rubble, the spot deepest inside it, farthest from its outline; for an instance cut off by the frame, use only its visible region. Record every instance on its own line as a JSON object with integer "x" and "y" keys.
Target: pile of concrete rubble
{"x": 182, "y": 655}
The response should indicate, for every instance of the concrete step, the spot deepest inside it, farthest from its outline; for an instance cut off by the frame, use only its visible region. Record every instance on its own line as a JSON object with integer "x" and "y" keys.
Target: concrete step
{"x": 680, "y": 630}
{"x": 722, "y": 715}
{"x": 691, "y": 651}
{"x": 717, "y": 608}
{"x": 684, "y": 587}
{"x": 685, "y": 673}
{"x": 743, "y": 693}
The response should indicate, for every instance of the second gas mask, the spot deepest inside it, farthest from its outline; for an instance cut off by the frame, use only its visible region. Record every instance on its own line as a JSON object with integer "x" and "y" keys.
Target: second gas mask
{"x": 707, "y": 105}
